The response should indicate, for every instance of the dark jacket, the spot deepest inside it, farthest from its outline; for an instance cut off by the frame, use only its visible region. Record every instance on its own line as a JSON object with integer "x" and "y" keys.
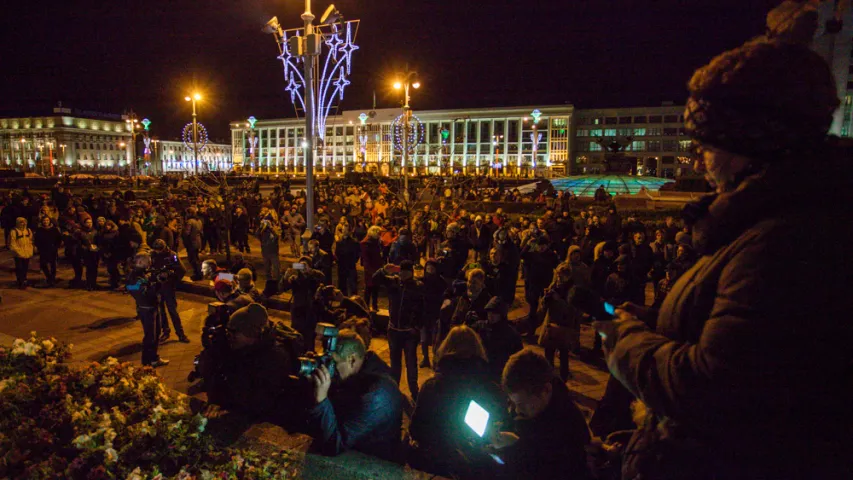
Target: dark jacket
{"x": 438, "y": 422}
{"x": 371, "y": 259}
{"x": 405, "y": 299}
{"x": 304, "y": 286}
{"x": 144, "y": 292}
{"x": 552, "y": 444}
{"x": 501, "y": 341}
{"x": 47, "y": 242}
{"x": 255, "y": 380}
{"x": 325, "y": 239}
{"x": 539, "y": 266}
{"x": 347, "y": 252}
{"x": 364, "y": 413}
{"x": 322, "y": 261}
{"x": 403, "y": 251}
{"x": 750, "y": 372}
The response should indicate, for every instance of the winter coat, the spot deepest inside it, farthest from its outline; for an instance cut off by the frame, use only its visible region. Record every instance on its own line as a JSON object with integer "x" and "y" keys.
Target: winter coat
{"x": 192, "y": 233}
{"x": 438, "y": 422}
{"x": 269, "y": 242}
{"x": 551, "y": 445}
{"x": 539, "y": 266}
{"x": 403, "y": 251}
{"x": 749, "y": 373}
{"x": 371, "y": 259}
{"x": 325, "y": 239}
{"x": 47, "y": 242}
{"x": 405, "y": 299}
{"x": 363, "y": 413}
{"x": 21, "y": 243}
{"x": 501, "y": 341}
{"x": 252, "y": 382}
{"x": 347, "y": 252}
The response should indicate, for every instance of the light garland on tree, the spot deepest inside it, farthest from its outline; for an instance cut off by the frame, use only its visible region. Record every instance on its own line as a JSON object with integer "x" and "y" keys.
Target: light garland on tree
{"x": 416, "y": 133}
{"x": 188, "y": 136}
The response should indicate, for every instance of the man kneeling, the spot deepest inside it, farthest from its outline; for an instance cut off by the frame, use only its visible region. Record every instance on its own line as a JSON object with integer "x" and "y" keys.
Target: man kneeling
{"x": 364, "y": 410}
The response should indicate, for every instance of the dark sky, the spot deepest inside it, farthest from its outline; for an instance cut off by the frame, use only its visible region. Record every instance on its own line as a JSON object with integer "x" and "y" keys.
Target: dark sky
{"x": 146, "y": 55}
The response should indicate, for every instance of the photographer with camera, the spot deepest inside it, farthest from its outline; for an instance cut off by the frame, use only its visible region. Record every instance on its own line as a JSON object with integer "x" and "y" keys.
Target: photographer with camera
{"x": 144, "y": 292}
{"x": 213, "y": 339}
{"x": 253, "y": 376}
{"x": 302, "y": 281}
{"x": 464, "y": 304}
{"x": 406, "y": 309}
{"x": 170, "y": 272}
{"x": 320, "y": 260}
{"x": 363, "y": 410}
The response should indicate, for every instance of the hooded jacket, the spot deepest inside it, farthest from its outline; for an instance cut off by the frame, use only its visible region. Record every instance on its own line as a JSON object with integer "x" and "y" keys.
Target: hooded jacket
{"x": 21, "y": 242}
{"x": 363, "y": 413}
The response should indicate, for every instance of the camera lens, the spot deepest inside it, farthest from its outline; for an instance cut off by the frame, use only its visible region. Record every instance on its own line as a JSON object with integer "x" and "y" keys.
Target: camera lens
{"x": 307, "y": 367}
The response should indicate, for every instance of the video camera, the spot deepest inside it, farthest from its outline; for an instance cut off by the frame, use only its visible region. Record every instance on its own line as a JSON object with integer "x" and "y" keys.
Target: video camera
{"x": 308, "y": 364}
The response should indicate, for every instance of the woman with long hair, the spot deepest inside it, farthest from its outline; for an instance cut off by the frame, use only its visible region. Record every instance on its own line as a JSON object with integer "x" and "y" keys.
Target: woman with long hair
{"x": 438, "y": 431}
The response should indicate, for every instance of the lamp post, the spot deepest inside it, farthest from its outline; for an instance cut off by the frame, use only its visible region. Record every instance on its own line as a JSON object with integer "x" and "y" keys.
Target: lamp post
{"x": 410, "y": 79}
{"x": 496, "y": 142}
{"x": 253, "y": 141}
{"x": 133, "y": 123}
{"x": 62, "y": 147}
{"x": 194, "y": 98}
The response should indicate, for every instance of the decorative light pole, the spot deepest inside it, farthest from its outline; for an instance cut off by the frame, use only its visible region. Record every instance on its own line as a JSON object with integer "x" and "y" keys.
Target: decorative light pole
{"x": 497, "y": 140}
{"x": 535, "y": 137}
{"x": 195, "y": 130}
{"x": 445, "y": 134}
{"x": 146, "y": 141}
{"x": 316, "y": 94}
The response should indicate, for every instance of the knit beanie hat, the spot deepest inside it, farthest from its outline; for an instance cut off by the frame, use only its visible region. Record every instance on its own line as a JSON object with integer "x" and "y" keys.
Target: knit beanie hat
{"x": 765, "y": 99}
{"x": 250, "y": 320}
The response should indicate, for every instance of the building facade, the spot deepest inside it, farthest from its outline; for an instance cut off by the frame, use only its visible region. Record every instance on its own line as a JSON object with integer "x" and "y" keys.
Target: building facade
{"x": 65, "y": 142}
{"x": 650, "y": 141}
{"x": 517, "y": 141}
{"x": 175, "y": 156}
{"x": 834, "y": 42}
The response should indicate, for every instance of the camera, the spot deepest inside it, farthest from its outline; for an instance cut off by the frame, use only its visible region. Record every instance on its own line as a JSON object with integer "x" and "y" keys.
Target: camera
{"x": 308, "y": 364}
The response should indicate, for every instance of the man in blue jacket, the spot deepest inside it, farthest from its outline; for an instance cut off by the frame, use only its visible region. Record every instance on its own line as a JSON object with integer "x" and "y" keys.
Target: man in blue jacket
{"x": 365, "y": 409}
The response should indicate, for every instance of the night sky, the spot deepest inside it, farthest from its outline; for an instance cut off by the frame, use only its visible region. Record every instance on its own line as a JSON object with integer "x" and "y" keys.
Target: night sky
{"x": 109, "y": 56}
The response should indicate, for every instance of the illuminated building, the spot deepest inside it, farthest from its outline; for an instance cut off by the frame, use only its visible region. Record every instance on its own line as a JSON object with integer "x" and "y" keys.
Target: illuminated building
{"x": 74, "y": 140}
{"x": 496, "y": 141}
{"x": 177, "y": 156}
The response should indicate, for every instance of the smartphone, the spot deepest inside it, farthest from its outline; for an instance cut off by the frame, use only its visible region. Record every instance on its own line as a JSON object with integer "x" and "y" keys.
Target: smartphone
{"x": 476, "y": 417}
{"x": 610, "y": 309}
{"x": 299, "y": 266}
{"x": 225, "y": 276}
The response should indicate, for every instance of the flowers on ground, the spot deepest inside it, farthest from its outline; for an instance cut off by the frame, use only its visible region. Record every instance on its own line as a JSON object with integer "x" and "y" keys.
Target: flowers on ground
{"x": 106, "y": 420}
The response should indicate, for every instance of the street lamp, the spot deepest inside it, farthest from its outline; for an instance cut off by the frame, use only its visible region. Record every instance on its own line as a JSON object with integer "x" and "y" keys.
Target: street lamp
{"x": 253, "y": 140}
{"x": 133, "y": 124}
{"x": 195, "y": 98}
{"x": 410, "y": 79}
